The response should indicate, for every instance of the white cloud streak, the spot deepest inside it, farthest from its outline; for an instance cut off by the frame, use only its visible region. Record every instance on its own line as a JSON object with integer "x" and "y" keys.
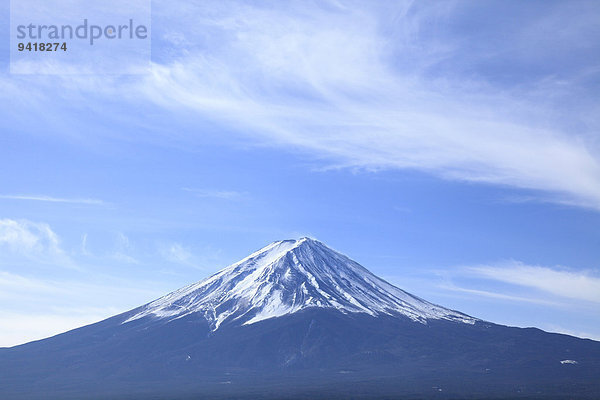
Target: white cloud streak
{"x": 201, "y": 259}
{"x": 123, "y": 250}
{"x": 217, "y": 194}
{"x": 84, "y": 248}
{"x": 33, "y": 241}
{"x": 177, "y": 253}
{"x": 564, "y": 283}
{"x": 51, "y": 199}
{"x": 496, "y": 295}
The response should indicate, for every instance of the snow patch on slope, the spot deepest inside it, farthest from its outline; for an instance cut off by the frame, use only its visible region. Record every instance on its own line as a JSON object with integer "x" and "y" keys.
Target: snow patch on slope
{"x": 569, "y": 362}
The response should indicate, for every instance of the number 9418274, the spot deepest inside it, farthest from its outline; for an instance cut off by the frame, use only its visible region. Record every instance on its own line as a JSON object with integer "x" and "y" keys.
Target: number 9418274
{"x": 35, "y": 46}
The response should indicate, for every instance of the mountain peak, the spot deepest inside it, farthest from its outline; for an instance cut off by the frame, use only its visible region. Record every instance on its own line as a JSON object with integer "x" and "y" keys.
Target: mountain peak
{"x": 288, "y": 276}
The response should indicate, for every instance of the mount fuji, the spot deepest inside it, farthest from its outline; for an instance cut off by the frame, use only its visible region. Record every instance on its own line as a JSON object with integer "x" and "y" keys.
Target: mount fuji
{"x": 297, "y": 319}
{"x": 289, "y": 276}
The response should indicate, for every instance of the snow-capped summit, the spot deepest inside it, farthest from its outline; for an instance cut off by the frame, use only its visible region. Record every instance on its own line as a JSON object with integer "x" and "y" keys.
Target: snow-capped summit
{"x": 288, "y": 276}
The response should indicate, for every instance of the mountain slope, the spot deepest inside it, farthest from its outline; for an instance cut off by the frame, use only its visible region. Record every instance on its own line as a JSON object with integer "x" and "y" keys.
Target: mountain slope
{"x": 299, "y": 320}
{"x": 288, "y": 276}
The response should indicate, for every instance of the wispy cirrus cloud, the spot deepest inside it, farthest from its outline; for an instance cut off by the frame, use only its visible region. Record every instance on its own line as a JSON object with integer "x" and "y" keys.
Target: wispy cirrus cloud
{"x": 336, "y": 86}
{"x": 34, "y": 241}
{"x": 176, "y": 253}
{"x": 215, "y": 194}
{"x": 514, "y": 293}
{"x": 202, "y": 258}
{"x": 511, "y": 282}
{"x": 497, "y": 295}
{"x": 559, "y": 282}
{"x": 123, "y": 250}
{"x": 51, "y": 199}
{"x": 378, "y": 85}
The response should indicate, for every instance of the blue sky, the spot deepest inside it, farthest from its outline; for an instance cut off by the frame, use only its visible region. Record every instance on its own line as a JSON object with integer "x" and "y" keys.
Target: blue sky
{"x": 452, "y": 148}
